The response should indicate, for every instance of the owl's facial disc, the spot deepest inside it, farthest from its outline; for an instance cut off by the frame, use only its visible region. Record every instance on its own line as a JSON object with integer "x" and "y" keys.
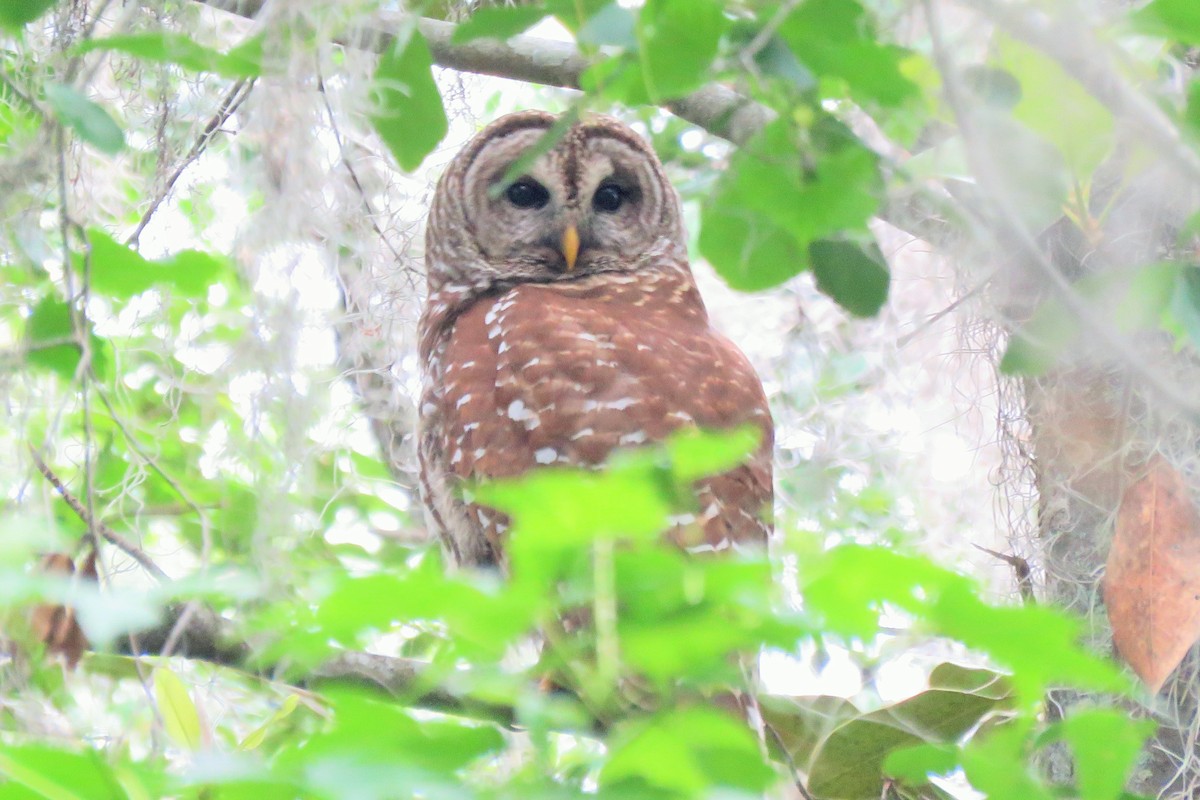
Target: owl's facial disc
{"x": 596, "y": 201}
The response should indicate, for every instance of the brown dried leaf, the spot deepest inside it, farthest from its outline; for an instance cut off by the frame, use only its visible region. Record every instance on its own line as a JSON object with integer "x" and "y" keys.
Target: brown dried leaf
{"x": 55, "y": 625}
{"x": 1152, "y": 582}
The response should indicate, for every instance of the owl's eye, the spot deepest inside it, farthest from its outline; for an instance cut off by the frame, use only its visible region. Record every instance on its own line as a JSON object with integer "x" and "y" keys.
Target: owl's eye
{"x": 527, "y": 193}
{"x": 608, "y": 198}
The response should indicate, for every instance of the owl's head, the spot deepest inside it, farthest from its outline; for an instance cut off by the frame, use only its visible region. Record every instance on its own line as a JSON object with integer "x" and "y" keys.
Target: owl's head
{"x": 597, "y": 201}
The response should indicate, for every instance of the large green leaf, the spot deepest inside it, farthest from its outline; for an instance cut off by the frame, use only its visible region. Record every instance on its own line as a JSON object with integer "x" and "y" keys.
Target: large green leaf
{"x": 120, "y": 272}
{"x": 57, "y": 774}
{"x": 783, "y": 191}
{"x": 999, "y": 765}
{"x": 86, "y": 118}
{"x": 178, "y": 712}
{"x": 49, "y": 335}
{"x": 243, "y": 61}
{"x": 677, "y": 42}
{"x": 408, "y": 113}
{"x": 689, "y": 752}
{"x": 16, "y": 13}
{"x": 1106, "y": 744}
{"x": 834, "y": 39}
{"x": 1054, "y": 105}
{"x": 856, "y": 277}
{"x": 498, "y": 22}
{"x": 848, "y": 760}
{"x": 1178, "y": 20}
{"x": 749, "y": 252}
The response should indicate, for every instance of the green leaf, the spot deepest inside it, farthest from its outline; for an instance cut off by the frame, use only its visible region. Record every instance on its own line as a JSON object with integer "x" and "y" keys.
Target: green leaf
{"x": 498, "y": 22}
{"x": 849, "y": 763}
{"x": 369, "y": 732}
{"x": 1106, "y": 744}
{"x": 1041, "y": 645}
{"x": 1028, "y": 172}
{"x": 257, "y": 736}
{"x": 612, "y": 26}
{"x": 1035, "y": 347}
{"x": 244, "y": 61}
{"x": 120, "y": 272}
{"x": 89, "y": 120}
{"x": 751, "y": 253}
{"x": 408, "y": 114}
{"x": 801, "y": 723}
{"x": 190, "y": 273}
{"x": 178, "y": 712}
{"x": 678, "y": 40}
{"x": 1055, "y": 106}
{"x": 999, "y": 765}
{"x": 785, "y": 189}
{"x": 996, "y": 87}
{"x": 855, "y": 277}
{"x": 115, "y": 269}
{"x": 574, "y": 14}
{"x": 1185, "y": 303}
{"x": 697, "y": 454}
{"x": 57, "y": 774}
{"x": 17, "y": 13}
{"x": 835, "y": 38}
{"x": 915, "y": 764}
{"x": 1131, "y": 300}
{"x": 49, "y": 335}
{"x": 1178, "y": 20}
{"x": 570, "y": 507}
{"x": 1191, "y": 113}
{"x": 688, "y": 751}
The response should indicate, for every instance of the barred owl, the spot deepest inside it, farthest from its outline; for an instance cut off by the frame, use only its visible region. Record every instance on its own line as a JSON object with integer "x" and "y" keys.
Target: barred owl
{"x": 563, "y": 322}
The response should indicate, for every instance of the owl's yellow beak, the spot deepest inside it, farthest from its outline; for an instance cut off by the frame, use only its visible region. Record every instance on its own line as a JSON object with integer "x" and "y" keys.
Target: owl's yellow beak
{"x": 570, "y": 246}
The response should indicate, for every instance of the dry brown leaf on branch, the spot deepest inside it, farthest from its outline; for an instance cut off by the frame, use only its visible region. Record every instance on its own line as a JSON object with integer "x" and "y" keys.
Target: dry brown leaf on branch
{"x": 55, "y": 625}
{"x": 1152, "y": 582}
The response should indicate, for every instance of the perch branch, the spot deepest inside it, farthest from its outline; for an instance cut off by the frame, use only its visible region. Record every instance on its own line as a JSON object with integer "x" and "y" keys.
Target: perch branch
{"x": 195, "y": 631}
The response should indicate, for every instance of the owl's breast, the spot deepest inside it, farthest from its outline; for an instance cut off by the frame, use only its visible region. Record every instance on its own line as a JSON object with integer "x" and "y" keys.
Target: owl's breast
{"x": 541, "y": 376}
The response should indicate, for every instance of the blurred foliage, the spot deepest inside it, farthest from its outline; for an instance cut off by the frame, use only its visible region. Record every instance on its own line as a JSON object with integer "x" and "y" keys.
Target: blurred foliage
{"x": 152, "y": 387}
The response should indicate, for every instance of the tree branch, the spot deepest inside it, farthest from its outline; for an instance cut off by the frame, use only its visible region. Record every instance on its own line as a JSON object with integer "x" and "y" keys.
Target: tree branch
{"x": 107, "y": 533}
{"x": 720, "y": 111}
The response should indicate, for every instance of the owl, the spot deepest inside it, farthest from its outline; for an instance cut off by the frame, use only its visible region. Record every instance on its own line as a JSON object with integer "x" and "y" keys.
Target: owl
{"x": 562, "y": 323}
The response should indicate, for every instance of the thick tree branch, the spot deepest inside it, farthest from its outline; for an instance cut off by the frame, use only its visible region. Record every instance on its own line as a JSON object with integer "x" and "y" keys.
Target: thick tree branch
{"x": 718, "y": 110}
{"x": 206, "y": 636}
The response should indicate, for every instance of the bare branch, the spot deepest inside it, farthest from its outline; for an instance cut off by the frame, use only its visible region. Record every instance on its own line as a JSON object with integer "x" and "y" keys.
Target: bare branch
{"x": 109, "y": 535}
{"x": 237, "y": 95}
{"x": 718, "y": 110}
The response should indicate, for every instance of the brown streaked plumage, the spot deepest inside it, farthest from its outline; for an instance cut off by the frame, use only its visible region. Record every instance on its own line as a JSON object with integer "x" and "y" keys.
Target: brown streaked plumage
{"x": 534, "y": 357}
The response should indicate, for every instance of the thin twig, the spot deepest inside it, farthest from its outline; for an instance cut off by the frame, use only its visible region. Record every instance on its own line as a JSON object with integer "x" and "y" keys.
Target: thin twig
{"x": 176, "y": 486}
{"x": 760, "y": 40}
{"x": 903, "y": 341}
{"x": 797, "y": 779}
{"x": 233, "y": 100}
{"x": 1021, "y": 570}
{"x": 345, "y": 159}
{"x": 107, "y": 533}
